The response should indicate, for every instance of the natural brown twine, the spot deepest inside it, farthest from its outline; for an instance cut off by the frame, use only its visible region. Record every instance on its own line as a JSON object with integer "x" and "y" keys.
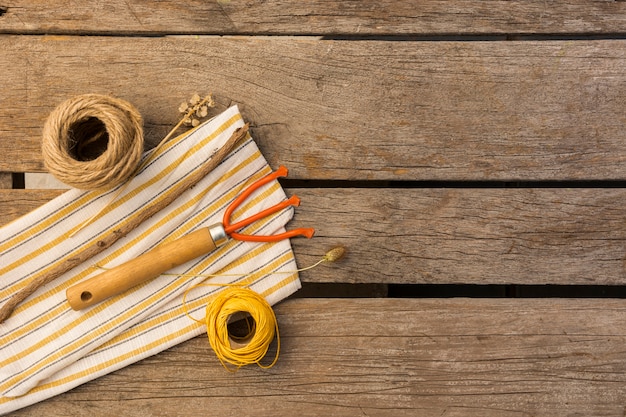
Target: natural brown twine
{"x": 93, "y": 141}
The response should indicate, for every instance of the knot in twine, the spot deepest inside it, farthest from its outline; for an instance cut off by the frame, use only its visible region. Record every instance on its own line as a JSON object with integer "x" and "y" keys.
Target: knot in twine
{"x": 93, "y": 141}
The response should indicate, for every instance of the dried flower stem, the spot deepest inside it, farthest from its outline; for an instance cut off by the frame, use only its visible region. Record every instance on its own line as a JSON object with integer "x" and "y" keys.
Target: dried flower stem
{"x": 333, "y": 255}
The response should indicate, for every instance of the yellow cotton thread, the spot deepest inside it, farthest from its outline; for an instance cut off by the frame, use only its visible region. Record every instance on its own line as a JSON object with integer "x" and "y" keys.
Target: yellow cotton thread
{"x": 262, "y": 327}
{"x": 262, "y": 323}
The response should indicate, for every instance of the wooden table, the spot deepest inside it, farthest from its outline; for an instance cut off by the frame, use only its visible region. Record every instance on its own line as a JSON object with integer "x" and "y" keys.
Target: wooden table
{"x": 471, "y": 155}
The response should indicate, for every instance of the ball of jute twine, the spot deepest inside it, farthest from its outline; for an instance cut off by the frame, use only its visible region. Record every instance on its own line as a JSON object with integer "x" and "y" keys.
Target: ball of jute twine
{"x": 93, "y": 141}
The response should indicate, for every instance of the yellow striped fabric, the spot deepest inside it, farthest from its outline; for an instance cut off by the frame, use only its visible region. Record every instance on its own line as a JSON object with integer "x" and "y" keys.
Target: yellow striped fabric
{"x": 46, "y": 348}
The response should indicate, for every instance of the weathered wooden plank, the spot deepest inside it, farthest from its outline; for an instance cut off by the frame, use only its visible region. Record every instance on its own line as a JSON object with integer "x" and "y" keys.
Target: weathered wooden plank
{"x": 16, "y": 203}
{"x": 349, "y": 110}
{"x": 381, "y": 357}
{"x": 450, "y": 236}
{"x": 474, "y": 236}
{"x": 380, "y": 17}
{"x": 6, "y": 181}
{"x": 42, "y": 180}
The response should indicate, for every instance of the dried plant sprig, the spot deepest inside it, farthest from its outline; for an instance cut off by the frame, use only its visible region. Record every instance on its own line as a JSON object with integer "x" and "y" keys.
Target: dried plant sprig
{"x": 196, "y": 109}
{"x": 195, "y": 99}
{"x": 335, "y": 254}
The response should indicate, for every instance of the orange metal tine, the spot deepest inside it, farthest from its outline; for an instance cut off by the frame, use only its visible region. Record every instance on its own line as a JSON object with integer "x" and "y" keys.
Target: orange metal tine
{"x": 292, "y": 201}
{"x": 303, "y": 231}
{"x": 280, "y": 172}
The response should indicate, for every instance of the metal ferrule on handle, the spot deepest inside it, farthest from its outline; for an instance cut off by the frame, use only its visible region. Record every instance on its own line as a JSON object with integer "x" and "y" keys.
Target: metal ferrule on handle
{"x": 145, "y": 267}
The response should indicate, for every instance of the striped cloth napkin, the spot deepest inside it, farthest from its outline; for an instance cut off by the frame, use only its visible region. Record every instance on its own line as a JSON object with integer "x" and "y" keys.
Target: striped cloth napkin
{"x": 46, "y": 348}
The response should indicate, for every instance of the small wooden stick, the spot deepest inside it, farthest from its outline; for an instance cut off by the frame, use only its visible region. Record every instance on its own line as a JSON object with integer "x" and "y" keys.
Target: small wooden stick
{"x": 89, "y": 251}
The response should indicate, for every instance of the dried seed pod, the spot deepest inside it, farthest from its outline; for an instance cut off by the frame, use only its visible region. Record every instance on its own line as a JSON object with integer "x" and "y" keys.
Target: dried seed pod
{"x": 335, "y": 254}
{"x": 195, "y": 99}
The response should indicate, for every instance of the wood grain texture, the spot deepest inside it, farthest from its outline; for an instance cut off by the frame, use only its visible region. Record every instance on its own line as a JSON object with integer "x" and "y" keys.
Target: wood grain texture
{"x": 451, "y": 236}
{"x": 320, "y": 17}
{"x": 470, "y": 236}
{"x": 16, "y": 203}
{"x": 390, "y": 358}
{"x": 6, "y": 181}
{"x": 354, "y": 109}
{"x": 349, "y": 110}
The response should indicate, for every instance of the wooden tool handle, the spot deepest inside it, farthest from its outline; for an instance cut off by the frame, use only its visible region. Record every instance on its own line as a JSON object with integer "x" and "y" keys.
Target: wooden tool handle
{"x": 147, "y": 266}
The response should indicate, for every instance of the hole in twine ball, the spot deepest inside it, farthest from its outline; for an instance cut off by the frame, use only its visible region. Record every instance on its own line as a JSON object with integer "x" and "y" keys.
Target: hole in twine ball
{"x": 93, "y": 141}
{"x": 240, "y": 330}
{"x": 89, "y": 139}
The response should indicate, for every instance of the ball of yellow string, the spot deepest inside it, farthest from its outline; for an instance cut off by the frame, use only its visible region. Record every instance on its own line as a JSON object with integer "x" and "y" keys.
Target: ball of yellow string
{"x": 262, "y": 324}
{"x": 229, "y": 303}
